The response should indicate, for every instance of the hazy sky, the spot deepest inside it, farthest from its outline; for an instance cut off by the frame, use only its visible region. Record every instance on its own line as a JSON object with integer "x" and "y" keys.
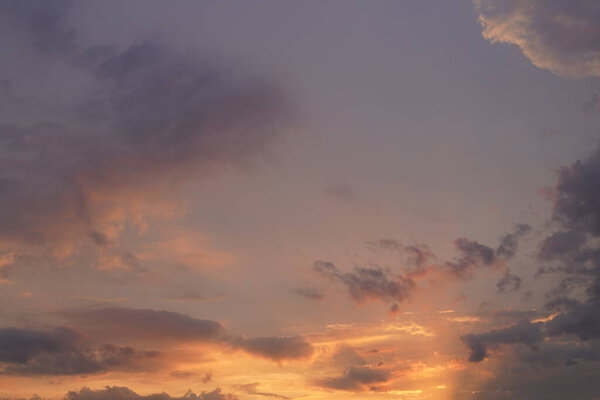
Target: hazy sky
{"x": 334, "y": 199}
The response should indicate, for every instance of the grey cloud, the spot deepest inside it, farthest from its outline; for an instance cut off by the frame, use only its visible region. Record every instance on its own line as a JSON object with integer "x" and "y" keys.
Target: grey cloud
{"x": 558, "y": 35}
{"x": 418, "y": 262}
{"x": 276, "y": 348}
{"x": 124, "y": 393}
{"x": 42, "y": 22}
{"x": 509, "y": 243}
{"x": 416, "y": 256}
{"x": 581, "y": 320}
{"x": 509, "y": 282}
{"x": 577, "y": 204}
{"x": 139, "y": 325}
{"x": 475, "y": 254}
{"x": 560, "y": 245}
{"x": 523, "y": 332}
{"x": 369, "y": 283}
{"x": 62, "y": 351}
{"x": 252, "y": 388}
{"x": 356, "y": 379}
{"x": 144, "y": 323}
{"x": 148, "y": 117}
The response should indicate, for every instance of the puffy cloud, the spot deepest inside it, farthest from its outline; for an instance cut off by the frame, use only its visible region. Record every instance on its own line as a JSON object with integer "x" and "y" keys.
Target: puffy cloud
{"x": 561, "y": 36}
{"x": 372, "y": 283}
{"x": 572, "y": 253}
{"x": 523, "y": 332}
{"x": 475, "y": 254}
{"x": 356, "y": 379}
{"x": 61, "y": 351}
{"x": 419, "y": 262}
{"x": 142, "y": 119}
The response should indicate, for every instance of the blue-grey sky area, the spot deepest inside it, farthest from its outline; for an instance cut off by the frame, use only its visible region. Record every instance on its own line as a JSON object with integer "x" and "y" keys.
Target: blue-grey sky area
{"x": 340, "y": 199}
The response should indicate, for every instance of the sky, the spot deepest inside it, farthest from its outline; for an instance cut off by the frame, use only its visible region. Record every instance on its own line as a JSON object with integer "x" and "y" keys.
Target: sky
{"x": 319, "y": 199}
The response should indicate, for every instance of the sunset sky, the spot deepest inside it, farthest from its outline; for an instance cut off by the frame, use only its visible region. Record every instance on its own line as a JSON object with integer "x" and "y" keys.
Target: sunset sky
{"x": 316, "y": 199}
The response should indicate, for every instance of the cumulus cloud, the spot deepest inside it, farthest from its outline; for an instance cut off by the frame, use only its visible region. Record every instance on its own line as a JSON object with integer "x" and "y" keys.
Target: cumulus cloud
{"x": 62, "y": 351}
{"x": 561, "y": 36}
{"x": 136, "y": 121}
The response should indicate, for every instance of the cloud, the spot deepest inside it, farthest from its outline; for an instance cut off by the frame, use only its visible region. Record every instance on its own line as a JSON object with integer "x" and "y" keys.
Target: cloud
{"x": 139, "y": 120}
{"x": 561, "y": 36}
{"x": 572, "y": 254}
{"x": 523, "y": 332}
{"x": 509, "y": 282}
{"x": 372, "y": 283}
{"x": 124, "y": 393}
{"x": 418, "y": 263}
{"x": 276, "y": 348}
{"x": 356, "y": 379}
{"x": 475, "y": 254}
{"x": 141, "y": 325}
{"x": 148, "y": 324}
{"x": 252, "y": 388}
{"x": 62, "y": 351}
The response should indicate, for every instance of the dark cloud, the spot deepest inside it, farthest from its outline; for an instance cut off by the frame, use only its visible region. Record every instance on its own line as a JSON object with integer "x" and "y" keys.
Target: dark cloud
{"x": 144, "y": 118}
{"x": 572, "y": 254}
{"x": 124, "y": 393}
{"x": 62, "y": 351}
{"x": 365, "y": 284}
{"x": 419, "y": 262}
{"x": 276, "y": 348}
{"x": 562, "y": 36}
{"x": 252, "y": 388}
{"x": 356, "y": 379}
{"x": 509, "y": 282}
{"x": 582, "y": 320}
{"x": 152, "y": 326}
{"x": 509, "y": 243}
{"x": 144, "y": 324}
{"x": 475, "y": 254}
{"x": 523, "y": 332}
